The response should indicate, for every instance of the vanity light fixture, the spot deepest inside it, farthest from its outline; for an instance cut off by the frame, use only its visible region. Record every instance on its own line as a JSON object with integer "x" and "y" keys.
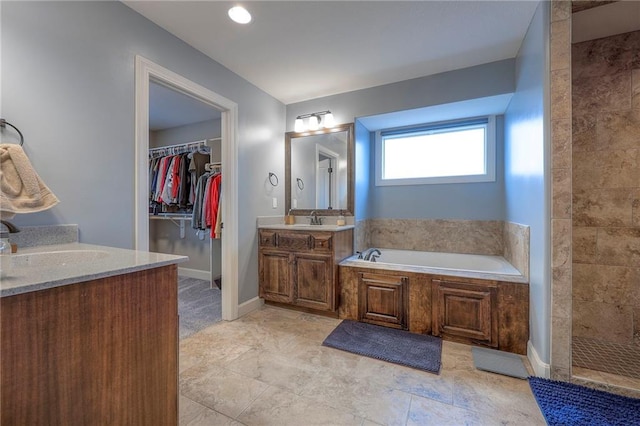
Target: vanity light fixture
{"x": 240, "y": 15}
{"x": 315, "y": 120}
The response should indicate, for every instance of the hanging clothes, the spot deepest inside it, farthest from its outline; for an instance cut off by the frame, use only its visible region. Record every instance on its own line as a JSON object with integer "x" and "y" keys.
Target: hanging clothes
{"x": 206, "y": 208}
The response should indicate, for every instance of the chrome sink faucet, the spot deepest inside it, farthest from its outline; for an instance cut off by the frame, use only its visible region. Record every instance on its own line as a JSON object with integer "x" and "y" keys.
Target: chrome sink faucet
{"x": 314, "y": 219}
{"x": 10, "y": 226}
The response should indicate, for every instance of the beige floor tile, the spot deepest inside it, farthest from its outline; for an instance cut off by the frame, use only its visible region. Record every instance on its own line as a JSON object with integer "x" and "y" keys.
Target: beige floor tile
{"x": 269, "y": 367}
{"x": 425, "y": 411}
{"x": 194, "y": 414}
{"x": 221, "y": 390}
{"x": 280, "y": 407}
{"x": 273, "y": 369}
{"x": 360, "y": 396}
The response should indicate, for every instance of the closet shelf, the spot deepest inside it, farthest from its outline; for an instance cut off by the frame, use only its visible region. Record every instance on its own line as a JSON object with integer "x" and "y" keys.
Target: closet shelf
{"x": 177, "y": 219}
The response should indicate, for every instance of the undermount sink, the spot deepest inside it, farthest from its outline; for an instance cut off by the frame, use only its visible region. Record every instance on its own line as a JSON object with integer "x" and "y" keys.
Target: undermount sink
{"x": 51, "y": 259}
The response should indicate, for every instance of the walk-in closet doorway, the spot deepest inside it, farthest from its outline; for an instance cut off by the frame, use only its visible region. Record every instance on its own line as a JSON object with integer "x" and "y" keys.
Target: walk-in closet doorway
{"x": 222, "y": 251}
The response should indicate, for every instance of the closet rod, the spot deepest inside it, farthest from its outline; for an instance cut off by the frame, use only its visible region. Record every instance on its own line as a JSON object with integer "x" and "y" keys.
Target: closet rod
{"x": 186, "y": 144}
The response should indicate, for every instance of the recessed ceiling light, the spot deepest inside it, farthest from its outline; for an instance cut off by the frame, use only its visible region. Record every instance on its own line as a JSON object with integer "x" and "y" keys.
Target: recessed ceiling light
{"x": 240, "y": 15}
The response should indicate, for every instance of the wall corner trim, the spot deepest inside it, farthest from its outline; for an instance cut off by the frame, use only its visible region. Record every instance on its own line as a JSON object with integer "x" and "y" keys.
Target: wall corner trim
{"x": 540, "y": 368}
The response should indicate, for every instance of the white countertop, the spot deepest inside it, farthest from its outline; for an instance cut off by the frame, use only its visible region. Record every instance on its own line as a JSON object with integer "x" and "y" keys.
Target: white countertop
{"x": 43, "y": 267}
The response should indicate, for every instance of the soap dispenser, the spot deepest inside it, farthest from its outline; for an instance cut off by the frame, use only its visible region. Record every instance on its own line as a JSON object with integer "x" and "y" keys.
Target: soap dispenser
{"x": 341, "y": 221}
{"x": 5, "y": 254}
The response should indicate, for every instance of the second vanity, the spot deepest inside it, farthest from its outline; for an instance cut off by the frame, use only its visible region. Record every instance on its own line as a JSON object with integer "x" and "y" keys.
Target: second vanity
{"x": 298, "y": 265}
{"x": 89, "y": 335}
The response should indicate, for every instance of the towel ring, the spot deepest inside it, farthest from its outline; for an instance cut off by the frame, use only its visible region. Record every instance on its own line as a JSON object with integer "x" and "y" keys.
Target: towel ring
{"x": 300, "y": 183}
{"x": 273, "y": 176}
{"x": 4, "y": 123}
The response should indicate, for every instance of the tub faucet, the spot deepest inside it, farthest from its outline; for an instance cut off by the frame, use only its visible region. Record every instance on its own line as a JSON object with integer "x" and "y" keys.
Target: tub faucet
{"x": 314, "y": 219}
{"x": 371, "y": 254}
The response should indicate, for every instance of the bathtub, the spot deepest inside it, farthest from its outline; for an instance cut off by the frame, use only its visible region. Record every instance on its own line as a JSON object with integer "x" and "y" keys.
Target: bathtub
{"x": 471, "y": 265}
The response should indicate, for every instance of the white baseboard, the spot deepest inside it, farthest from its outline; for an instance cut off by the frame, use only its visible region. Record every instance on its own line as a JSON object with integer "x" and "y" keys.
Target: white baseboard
{"x": 194, "y": 273}
{"x": 540, "y": 368}
{"x": 249, "y": 306}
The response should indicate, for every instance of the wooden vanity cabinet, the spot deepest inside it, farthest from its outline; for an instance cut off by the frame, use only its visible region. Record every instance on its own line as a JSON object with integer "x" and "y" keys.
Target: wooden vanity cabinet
{"x": 98, "y": 352}
{"x": 299, "y": 268}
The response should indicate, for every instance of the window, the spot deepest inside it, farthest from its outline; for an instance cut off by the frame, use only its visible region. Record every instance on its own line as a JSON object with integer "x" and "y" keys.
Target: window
{"x": 451, "y": 152}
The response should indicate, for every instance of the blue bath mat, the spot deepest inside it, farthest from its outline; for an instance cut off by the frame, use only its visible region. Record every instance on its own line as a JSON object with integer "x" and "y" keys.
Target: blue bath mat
{"x": 568, "y": 404}
{"x": 388, "y": 344}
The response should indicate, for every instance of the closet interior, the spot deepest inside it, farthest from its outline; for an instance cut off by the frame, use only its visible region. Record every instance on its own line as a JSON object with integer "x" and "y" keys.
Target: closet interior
{"x": 185, "y": 173}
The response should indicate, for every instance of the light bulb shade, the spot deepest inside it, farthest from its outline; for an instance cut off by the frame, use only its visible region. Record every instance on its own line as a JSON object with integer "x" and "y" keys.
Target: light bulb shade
{"x": 298, "y": 126}
{"x": 328, "y": 120}
{"x": 240, "y": 15}
{"x": 313, "y": 122}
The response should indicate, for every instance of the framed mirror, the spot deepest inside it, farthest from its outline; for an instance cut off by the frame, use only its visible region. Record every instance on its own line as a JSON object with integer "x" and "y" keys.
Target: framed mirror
{"x": 319, "y": 171}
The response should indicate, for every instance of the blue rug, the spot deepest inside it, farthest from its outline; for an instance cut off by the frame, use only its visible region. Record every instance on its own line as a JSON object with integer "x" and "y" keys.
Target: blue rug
{"x": 568, "y": 404}
{"x": 388, "y": 344}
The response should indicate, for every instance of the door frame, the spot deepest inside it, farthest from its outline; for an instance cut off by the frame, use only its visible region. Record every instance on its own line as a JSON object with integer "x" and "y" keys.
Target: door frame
{"x": 145, "y": 71}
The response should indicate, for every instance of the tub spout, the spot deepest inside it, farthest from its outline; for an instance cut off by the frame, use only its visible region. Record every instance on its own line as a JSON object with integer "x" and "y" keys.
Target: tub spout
{"x": 371, "y": 252}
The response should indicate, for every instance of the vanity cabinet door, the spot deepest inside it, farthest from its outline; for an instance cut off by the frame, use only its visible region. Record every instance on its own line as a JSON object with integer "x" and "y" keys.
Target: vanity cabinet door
{"x": 276, "y": 283}
{"x": 314, "y": 282}
{"x": 383, "y": 300}
{"x": 465, "y": 311}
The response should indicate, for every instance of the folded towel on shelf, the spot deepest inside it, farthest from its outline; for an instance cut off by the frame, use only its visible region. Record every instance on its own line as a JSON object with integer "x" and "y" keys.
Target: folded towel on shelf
{"x": 21, "y": 189}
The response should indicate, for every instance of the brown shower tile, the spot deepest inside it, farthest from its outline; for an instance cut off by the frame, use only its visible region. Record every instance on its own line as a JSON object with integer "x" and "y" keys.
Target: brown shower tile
{"x": 561, "y": 190}
{"x": 561, "y": 242}
{"x": 561, "y": 141}
{"x": 602, "y": 207}
{"x": 604, "y": 93}
{"x": 596, "y": 58}
{"x": 561, "y": 292}
{"x": 619, "y": 246}
{"x": 584, "y": 244}
{"x": 597, "y": 320}
{"x": 560, "y": 53}
{"x": 584, "y": 133}
{"x": 635, "y": 212}
{"x": 635, "y": 88}
{"x": 560, "y": 10}
{"x": 619, "y": 130}
{"x": 607, "y": 284}
{"x": 615, "y": 159}
{"x": 560, "y": 94}
{"x": 585, "y": 178}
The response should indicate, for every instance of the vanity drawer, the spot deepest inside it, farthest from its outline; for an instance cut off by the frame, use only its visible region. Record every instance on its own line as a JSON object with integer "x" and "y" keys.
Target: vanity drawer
{"x": 268, "y": 238}
{"x": 293, "y": 241}
{"x": 322, "y": 243}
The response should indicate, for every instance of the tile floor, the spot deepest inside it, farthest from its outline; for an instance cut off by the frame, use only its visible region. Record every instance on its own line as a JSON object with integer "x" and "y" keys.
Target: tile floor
{"x": 269, "y": 368}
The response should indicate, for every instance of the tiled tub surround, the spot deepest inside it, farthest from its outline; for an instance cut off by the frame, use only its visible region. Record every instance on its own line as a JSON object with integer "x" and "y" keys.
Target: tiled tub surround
{"x": 606, "y": 197}
{"x": 492, "y": 237}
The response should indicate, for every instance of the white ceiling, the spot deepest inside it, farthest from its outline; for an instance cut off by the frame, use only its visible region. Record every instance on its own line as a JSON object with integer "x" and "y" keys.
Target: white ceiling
{"x": 300, "y": 50}
{"x": 169, "y": 108}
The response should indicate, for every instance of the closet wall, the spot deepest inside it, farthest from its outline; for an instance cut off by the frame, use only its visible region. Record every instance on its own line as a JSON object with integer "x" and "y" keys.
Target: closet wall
{"x": 164, "y": 236}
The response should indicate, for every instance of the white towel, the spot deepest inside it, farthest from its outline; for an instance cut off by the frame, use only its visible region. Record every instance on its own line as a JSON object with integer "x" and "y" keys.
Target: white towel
{"x": 21, "y": 189}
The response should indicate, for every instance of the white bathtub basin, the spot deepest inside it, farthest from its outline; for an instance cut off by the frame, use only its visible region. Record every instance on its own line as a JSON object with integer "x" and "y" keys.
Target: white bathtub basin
{"x": 52, "y": 259}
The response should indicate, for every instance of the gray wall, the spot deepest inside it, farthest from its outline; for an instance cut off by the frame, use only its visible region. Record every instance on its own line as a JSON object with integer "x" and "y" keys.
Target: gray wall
{"x": 68, "y": 84}
{"x": 164, "y": 236}
{"x": 473, "y": 201}
{"x": 526, "y": 165}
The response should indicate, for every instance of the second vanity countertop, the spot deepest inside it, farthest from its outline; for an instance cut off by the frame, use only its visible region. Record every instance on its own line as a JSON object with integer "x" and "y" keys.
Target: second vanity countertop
{"x": 43, "y": 267}
{"x": 306, "y": 227}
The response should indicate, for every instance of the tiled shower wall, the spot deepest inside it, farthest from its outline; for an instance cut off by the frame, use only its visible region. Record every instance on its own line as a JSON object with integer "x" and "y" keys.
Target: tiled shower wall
{"x": 606, "y": 189}
{"x": 488, "y": 237}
